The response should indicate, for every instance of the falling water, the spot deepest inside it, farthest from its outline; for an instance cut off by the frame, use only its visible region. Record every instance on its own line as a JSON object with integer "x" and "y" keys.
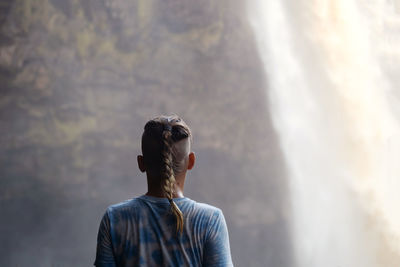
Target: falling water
{"x": 333, "y": 69}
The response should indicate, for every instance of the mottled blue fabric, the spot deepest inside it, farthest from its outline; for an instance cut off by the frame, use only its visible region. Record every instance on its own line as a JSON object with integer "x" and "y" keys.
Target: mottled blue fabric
{"x": 142, "y": 232}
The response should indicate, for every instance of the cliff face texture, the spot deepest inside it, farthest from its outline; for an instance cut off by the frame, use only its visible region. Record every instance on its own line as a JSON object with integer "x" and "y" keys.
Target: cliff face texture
{"x": 78, "y": 81}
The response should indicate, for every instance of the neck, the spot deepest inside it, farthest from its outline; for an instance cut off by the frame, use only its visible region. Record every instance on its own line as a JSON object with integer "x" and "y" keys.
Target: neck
{"x": 155, "y": 189}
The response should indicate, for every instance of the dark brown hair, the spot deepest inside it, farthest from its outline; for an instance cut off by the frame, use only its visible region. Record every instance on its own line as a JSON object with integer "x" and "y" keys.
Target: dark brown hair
{"x": 159, "y": 135}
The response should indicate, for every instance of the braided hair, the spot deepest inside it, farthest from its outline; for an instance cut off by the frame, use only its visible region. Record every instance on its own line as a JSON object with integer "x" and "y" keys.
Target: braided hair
{"x": 158, "y": 138}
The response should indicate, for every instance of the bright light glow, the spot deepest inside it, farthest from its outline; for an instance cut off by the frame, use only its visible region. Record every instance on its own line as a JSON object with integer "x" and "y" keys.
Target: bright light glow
{"x": 332, "y": 69}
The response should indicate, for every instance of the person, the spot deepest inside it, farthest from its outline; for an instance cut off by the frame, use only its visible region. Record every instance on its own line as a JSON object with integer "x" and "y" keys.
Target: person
{"x": 162, "y": 227}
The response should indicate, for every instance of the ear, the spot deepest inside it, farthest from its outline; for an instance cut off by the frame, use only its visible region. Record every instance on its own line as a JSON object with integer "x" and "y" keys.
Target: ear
{"x": 192, "y": 160}
{"x": 140, "y": 162}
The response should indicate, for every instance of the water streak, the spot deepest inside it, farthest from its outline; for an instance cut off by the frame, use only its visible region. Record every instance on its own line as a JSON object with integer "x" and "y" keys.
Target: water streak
{"x": 332, "y": 70}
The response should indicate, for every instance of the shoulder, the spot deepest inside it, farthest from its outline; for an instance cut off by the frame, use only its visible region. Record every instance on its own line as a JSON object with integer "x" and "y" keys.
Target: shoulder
{"x": 205, "y": 211}
{"x": 123, "y": 208}
{"x": 207, "y": 208}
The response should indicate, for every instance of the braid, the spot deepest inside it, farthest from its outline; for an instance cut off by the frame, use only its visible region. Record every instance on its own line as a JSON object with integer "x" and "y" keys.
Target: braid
{"x": 160, "y": 135}
{"x": 169, "y": 176}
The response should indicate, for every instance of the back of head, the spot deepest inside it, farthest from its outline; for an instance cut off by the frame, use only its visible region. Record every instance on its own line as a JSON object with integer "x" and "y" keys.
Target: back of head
{"x": 163, "y": 158}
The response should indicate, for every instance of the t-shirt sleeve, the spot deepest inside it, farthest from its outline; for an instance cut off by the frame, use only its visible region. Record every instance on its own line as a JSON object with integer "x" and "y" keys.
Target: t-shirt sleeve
{"x": 217, "y": 251}
{"x": 104, "y": 253}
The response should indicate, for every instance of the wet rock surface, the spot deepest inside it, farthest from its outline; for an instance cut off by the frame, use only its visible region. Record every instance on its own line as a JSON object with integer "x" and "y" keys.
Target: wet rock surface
{"x": 79, "y": 79}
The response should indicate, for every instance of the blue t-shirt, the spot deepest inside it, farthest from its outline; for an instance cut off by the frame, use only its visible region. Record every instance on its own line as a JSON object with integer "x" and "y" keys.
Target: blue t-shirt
{"x": 142, "y": 232}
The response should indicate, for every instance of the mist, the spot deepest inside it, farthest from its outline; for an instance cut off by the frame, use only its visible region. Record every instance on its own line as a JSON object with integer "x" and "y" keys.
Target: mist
{"x": 293, "y": 105}
{"x": 332, "y": 70}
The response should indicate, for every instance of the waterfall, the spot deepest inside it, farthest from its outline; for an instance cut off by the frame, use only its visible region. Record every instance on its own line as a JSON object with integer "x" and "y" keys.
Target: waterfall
{"x": 333, "y": 75}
